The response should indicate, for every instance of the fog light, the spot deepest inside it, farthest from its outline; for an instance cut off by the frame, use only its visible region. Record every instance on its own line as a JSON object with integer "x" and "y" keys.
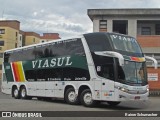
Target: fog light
{"x": 122, "y": 96}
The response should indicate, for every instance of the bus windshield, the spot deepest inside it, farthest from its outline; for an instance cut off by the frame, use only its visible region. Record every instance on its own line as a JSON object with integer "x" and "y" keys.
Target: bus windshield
{"x": 132, "y": 73}
{"x": 125, "y": 43}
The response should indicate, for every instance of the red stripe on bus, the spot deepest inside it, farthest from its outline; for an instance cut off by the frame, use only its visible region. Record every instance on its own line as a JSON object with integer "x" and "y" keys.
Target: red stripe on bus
{"x": 15, "y": 70}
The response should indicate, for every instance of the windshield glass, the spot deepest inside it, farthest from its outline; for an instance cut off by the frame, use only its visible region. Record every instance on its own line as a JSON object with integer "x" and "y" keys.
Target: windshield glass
{"x": 132, "y": 73}
{"x": 125, "y": 43}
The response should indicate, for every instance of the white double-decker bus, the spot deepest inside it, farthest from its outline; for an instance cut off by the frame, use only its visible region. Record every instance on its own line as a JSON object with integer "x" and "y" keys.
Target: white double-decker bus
{"x": 87, "y": 69}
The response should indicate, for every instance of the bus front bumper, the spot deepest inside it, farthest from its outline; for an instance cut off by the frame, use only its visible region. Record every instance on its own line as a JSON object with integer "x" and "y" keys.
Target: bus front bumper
{"x": 124, "y": 96}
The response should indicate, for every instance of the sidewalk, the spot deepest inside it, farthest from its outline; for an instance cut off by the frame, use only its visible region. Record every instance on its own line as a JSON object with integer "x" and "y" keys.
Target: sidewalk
{"x": 154, "y": 92}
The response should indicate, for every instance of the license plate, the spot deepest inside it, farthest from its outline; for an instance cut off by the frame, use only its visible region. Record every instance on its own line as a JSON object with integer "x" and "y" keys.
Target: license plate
{"x": 137, "y": 97}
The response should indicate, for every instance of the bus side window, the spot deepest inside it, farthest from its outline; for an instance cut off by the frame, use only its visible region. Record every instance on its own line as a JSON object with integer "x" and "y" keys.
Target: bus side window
{"x": 30, "y": 75}
{"x": 28, "y": 54}
{"x": 98, "y": 42}
{"x": 57, "y": 49}
{"x": 6, "y": 57}
{"x": 55, "y": 74}
{"x": 42, "y": 52}
{"x": 75, "y": 48}
{"x": 75, "y": 74}
{"x": 106, "y": 71}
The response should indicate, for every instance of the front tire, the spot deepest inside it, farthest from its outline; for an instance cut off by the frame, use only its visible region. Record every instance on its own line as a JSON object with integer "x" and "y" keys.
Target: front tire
{"x": 71, "y": 97}
{"x": 86, "y": 98}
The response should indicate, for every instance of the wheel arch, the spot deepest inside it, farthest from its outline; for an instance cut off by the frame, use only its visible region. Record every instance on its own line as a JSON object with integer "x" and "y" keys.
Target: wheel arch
{"x": 69, "y": 86}
{"x": 83, "y": 87}
{"x": 22, "y": 86}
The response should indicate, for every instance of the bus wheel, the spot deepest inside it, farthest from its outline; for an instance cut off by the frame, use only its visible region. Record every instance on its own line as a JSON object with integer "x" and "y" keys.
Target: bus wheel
{"x": 113, "y": 103}
{"x": 86, "y": 98}
{"x": 23, "y": 93}
{"x": 71, "y": 97}
{"x": 15, "y": 93}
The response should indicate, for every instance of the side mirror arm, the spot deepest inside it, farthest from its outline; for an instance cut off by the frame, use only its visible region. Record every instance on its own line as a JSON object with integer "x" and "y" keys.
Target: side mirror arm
{"x": 112, "y": 54}
{"x": 154, "y": 60}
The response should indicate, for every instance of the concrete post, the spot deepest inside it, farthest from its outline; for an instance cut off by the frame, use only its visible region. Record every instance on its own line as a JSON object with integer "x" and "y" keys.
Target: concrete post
{"x": 132, "y": 28}
{"x": 95, "y": 25}
{"x": 109, "y": 25}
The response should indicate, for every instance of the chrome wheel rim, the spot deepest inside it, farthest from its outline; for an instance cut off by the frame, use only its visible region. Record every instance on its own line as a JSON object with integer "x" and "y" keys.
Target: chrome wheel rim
{"x": 88, "y": 98}
{"x": 16, "y": 92}
{"x": 72, "y": 96}
{"x": 23, "y": 93}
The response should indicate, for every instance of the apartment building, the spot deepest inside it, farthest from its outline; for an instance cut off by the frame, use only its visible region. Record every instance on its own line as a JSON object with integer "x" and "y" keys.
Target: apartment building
{"x": 48, "y": 37}
{"x": 143, "y": 24}
{"x": 9, "y": 32}
{"x": 31, "y": 38}
{"x": 12, "y": 37}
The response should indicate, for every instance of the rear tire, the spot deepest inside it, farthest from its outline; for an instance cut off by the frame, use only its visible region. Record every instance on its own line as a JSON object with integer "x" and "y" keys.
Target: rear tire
{"x": 15, "y": 93}
{"x": 23, "y": 93}
{"x": 86, "y": 98}
{"x": 113, "y": 103}
{"x": 71, "y": 97}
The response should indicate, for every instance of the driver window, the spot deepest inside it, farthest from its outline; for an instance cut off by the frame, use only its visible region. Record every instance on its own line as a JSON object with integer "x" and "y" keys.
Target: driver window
{"x": 106, "y": 71}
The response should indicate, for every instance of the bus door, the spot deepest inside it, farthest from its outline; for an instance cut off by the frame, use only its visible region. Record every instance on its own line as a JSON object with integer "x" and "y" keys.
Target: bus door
{"x": 106, "y": 72}
{"x": 107, "y": 89}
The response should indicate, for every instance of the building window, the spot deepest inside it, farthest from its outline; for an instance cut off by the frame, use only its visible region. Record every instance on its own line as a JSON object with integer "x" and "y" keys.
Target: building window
{"x": 16, "y": 34}
{"x": 1, "y": 55}
{"x": 34, "y": 40}
{"x": 0, "y": 67}
{"x": 2, "y": 31}
{"x": 1, "y": 43}
{"x": 157, "y": 29}
{"x": 120, "y": 26}
{"x": 103, "y": 25}
{"x": 15, "y": 45}
{"x": 146, "y": 31}
{"x": 20, "y": 38}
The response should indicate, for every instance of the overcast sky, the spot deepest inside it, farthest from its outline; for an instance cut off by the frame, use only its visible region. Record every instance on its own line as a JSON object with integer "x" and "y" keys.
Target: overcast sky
{"x": 66, "y": 17}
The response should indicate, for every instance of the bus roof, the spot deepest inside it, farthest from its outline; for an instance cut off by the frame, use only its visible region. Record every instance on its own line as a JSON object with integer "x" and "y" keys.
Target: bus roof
{"x": 67, "y": 38}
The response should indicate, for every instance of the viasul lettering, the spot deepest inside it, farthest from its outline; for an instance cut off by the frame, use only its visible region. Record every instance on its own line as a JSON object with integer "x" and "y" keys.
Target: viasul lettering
{"x": 46, "y": 63}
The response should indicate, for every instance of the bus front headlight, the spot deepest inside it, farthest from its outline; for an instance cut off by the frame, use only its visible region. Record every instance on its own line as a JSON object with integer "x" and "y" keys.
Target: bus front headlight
{"x": 123, "y": 89}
